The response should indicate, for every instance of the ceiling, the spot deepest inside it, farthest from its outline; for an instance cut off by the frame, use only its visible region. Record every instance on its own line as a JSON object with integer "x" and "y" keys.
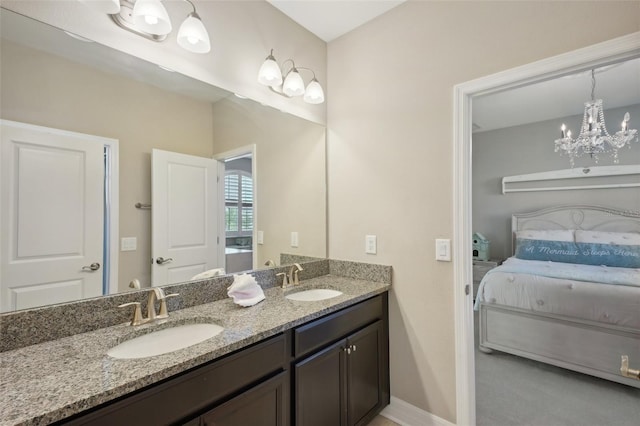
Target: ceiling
{"x": 329, "y": 19}
{"x": 617, "y": 85}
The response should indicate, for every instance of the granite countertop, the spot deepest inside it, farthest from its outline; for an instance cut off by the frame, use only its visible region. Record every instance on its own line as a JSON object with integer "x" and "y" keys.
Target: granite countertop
{"x": 53, "y": 380}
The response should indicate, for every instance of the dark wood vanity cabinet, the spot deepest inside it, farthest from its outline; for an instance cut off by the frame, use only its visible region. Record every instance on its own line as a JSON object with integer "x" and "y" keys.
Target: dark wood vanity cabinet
{"x": 329, "y": 372}
{"x": 263, "y": 405}
{"x": 347, "y": 382}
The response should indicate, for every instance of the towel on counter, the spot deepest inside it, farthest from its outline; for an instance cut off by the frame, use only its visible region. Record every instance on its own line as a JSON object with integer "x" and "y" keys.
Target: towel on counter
{"x": 245, "y": 290}
{"x": 208, "y": 274}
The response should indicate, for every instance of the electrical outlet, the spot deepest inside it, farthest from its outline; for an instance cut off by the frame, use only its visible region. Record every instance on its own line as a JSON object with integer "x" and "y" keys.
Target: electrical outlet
{"x": 370, "y": 244}
{"x": 294, "y": 239}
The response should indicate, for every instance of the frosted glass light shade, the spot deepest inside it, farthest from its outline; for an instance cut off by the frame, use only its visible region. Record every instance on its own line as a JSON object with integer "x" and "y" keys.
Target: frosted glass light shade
{"x": 151, "y": 17}
{"x": 293, "y": 84}
{"x": 193, "y": 36}
{"x": 103, "y": 6}
{"x": 270, "y": 74}
{"x": 314, "y": 93}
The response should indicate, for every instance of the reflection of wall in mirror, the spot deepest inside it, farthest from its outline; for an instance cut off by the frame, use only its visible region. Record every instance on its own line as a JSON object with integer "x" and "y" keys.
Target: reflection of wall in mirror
{"x": 46, "y": 90}
{"x": 291, "y": 179}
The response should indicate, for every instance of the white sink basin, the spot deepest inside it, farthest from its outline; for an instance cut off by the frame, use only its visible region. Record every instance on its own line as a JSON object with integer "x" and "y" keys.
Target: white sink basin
{"x": 314, "y": 295}
{"x": 165, "y": 341}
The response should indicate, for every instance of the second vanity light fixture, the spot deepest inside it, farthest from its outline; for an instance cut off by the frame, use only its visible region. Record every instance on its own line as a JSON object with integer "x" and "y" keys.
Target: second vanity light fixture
{"x": 271, "y": 74}
{"x": 150, "y": 19}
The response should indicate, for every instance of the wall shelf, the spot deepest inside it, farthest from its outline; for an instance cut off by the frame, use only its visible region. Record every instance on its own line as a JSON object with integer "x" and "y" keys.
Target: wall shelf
{"x": 601, "y": 177}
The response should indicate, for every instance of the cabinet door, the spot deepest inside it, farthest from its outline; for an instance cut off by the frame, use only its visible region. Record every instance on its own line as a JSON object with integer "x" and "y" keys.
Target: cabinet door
{"x": 263, "y": 405}
{"x": 365, "y": 373}
{"x": 320, "y": 388}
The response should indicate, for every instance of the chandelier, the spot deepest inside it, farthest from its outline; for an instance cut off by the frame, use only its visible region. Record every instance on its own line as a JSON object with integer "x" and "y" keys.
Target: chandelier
{"x": 594, "y": 139}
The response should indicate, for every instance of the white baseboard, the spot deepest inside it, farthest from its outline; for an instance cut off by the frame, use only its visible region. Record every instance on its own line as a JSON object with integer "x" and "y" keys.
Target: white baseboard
{"x": 406, "y": 414}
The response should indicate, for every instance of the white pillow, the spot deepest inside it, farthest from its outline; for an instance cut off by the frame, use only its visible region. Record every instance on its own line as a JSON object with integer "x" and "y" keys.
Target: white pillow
{"x": 613, "y": 238}
{"x": 546, "y": 234}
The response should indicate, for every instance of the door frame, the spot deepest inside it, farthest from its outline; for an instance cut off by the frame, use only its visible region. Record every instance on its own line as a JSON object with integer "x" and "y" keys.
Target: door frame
{"x": 616, "y": 50}
{"x": 229, "y": 155}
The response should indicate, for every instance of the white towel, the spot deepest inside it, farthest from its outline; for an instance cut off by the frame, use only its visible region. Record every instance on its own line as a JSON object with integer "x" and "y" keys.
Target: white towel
{"x": 245, "y": 290}
{"x": 208, "y": 274}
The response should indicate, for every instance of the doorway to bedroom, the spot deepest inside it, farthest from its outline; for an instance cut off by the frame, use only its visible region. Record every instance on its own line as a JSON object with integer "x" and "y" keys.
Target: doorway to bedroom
{"x": 510, "y": 126}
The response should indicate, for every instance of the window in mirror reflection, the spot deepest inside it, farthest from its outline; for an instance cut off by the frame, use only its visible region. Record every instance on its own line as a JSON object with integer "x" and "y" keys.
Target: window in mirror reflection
{"x": 238, "y": 192}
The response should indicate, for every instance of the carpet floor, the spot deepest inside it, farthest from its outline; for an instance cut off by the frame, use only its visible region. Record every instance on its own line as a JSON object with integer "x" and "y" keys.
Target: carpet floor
{"x": 513, "y": 391}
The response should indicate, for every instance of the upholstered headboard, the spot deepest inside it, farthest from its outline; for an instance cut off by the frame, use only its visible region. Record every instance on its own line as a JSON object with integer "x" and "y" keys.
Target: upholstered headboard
{"x": 585, "y": 217}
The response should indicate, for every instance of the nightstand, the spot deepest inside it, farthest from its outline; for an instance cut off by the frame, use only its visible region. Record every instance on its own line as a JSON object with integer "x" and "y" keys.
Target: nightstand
{"x": 480, "y": 268}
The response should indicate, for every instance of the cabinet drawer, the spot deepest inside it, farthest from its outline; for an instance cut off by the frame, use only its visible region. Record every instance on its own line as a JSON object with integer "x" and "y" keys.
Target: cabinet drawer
{"x": 180, "y": 397}
{"x": 335, "y": 326}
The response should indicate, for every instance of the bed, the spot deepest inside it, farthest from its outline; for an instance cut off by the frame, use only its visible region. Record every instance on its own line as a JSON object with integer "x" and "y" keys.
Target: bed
{"x": 546, "y": 304}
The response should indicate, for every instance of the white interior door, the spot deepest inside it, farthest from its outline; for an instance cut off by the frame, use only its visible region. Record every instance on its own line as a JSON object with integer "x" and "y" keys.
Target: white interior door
{"x": 184, "y": 216}
{"x": 51, "y": 216}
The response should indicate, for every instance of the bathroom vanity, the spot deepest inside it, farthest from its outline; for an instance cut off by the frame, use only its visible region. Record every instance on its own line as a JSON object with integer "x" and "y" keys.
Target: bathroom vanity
{"x": 330, "y": 371}
{"x": 281, "y": 362}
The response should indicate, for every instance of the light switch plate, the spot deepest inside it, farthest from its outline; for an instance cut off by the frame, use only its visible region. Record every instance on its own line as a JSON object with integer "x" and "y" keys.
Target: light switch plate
{"x": 260, "y": 237}
{"x": 128, "y": 244}
{"x": 294, "y": 239}
{"x": 443, "y": 250}
{"x": 370, "y": 244}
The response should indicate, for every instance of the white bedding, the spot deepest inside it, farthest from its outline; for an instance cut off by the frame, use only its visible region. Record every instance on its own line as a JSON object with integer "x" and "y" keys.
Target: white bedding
{"x": 617, "y": 303}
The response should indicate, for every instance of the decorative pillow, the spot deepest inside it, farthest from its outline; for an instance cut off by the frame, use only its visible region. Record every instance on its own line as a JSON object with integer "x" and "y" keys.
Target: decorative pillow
{"x": 622, "y": 256}
{"x": 546, "y": 234}
{"x": 614, "y": 238}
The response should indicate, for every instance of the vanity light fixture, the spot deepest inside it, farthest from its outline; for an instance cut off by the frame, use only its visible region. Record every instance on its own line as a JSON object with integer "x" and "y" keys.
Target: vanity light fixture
{"x": 271, "y": 74}
{"x": 150, "y": 19}
{"x": 594, "y": 139}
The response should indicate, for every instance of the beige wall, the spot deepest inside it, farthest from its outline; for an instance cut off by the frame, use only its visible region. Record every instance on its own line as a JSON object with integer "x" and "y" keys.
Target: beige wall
{"x": 291, "y": 179}
{"x": 241, "y": 33}
{"x": 46, "y": 90}
{"x": 390, "y": 151}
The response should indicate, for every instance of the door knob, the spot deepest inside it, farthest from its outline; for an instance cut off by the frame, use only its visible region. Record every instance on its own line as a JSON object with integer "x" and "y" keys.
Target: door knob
{"x": 162, "y": 260}
{"x": 93, "y": 267}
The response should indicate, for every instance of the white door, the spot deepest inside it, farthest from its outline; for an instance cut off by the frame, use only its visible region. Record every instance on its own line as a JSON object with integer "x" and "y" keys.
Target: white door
{"x": 51, "y": 216}
{"x": 184, "y": 215}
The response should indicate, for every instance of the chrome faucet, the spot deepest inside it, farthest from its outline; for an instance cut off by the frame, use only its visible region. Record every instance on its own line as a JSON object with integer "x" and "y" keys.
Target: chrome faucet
{"x": 293, "y": 274}
{"x": 155, "y": 294}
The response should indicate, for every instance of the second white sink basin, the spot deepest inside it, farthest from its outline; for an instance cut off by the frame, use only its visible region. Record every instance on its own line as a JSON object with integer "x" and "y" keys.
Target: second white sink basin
{"x": 314, "y": 294}
{"x": 165, "y": 341}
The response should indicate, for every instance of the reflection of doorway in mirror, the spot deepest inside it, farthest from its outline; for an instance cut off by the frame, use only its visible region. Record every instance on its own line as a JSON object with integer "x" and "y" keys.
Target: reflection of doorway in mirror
{"x": 184, "y": 217}
{"x": 240, "y": 209}
{"x": 56, "y": 242}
